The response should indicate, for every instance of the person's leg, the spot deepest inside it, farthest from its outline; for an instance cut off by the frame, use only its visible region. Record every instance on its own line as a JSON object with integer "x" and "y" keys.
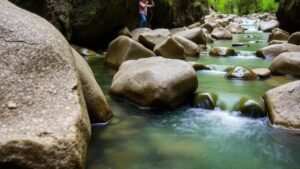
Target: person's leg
{"x": 143, "y": 22}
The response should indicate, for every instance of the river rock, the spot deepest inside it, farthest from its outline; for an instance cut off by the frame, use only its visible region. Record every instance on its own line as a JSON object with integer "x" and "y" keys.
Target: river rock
{"x": 194, "y": 25}
{"x": 154, "y": 37}
{"x": 278, "y": 34}
{"x": 222, "y": 51}
{"x": 250, "y": 108}
{"x": 283, "y": 105}
{"x": 235, "y": 28}
{"x": 208, "y": 27}
{"x": 221, "y": 33}
{"x": 85, "y": 51}
{"x": 155, "y": 82}
{"x": 196, "y": 35}
{"x": 205, "y": 101}
{"x": 125, "y": 32}
{"x": 295, "y": 38}
{"x": 274, "y": 42}
{"x": 43, "y": 115}
{"x": 176, "y": 30}
{"x": 269, "y": 25}
{"x": 286, "y": 64}
{"x": 124, "y": 48}
{"x": 98, "y": 108}
{"x": 262, "y": 72}
{"x": 137, "y": 32}
{"x": 240, "y": 73}
{"x": 170, "y": 48}
{"x": 275, "y": 50}
{"x": 190, "y": 48}
{"x": 199, "y": 66}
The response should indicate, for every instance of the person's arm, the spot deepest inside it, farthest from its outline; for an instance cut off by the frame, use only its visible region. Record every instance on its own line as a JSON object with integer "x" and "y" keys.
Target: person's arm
{"x": 152, "y": 4}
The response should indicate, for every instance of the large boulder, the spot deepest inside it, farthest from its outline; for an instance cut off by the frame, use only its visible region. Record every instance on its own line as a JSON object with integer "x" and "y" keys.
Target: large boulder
{"x": 154, "y": 37}
{"x": 170, "y": 48}
{"x": 196, "y": 35}
{"x": 235, "y": 28}
{"x": 221, "y": 33}
{"x": 275, "y": 50}
{"x": 222, "y": 51}
{"x": 268, "y": 26}
{"x": 99, "y": 110}
{"x": 278, "y": 34}
{"x": 283, "y": 105}
{"x": 288, "y": 15}
{"x": 43, "y": 115}
{"x": 190, "y": 48}
{"x": 286, "y": 64}
{"x": 124, "y": 48}
{"x": 294, "y": 38}
{"x": 155, "y": 82}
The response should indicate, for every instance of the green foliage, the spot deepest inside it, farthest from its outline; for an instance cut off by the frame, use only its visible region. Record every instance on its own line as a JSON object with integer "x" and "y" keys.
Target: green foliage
{"x": 243, "y": 7}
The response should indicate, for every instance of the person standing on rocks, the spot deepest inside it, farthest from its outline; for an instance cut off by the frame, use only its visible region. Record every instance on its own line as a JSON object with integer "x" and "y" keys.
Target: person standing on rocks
{"x": 143, "y": 10}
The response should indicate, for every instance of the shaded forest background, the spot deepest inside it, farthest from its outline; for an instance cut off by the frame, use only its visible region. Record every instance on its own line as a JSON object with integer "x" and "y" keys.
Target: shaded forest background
{"x": 243, "y": 7}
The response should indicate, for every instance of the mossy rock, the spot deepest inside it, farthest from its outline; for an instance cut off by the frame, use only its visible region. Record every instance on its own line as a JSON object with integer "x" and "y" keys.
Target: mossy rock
{"x": 240, "y": 73}
{"x": 250, "y": 108}
{"x": 222, "y": 51}
{"x": 205, "y": 100}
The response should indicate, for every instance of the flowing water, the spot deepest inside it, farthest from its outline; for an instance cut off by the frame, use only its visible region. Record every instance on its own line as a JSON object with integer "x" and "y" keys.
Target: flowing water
{"x": 188, "y": 138}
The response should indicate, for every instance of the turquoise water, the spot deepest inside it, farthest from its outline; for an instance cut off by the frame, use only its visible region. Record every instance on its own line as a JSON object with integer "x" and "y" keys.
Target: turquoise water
{"x": 188, "y": 138}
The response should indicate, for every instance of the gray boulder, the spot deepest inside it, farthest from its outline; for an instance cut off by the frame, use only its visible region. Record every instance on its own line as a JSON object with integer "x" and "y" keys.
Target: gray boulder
{"x": 190, "y": 48}
{"x": 294, "y": 38}
{"x": 196, "y": 35}
{"x": 286, "y": 64}
{"x": 124, "y": 48}
{"x": 99, "y": 110}
{"x": 155, "y": 82}
{"x": 283, "y": 105}
{"x": 154, "y": 37}
{"x": 170, "y": 48}
{"x": 221, "y": 33}
{"x": 43, "y": 115}
{"x": 274, "y": 50}
{"x": 235, "y": 28}
{"x": 268, "y": 26}
{"x": 278, "y": 34}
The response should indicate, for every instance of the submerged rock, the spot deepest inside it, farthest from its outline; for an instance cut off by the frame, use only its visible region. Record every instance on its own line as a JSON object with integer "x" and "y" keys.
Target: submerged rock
{"x": 154, "y": 37}
{"x": 278, "y": 34}
{"x": 235, "y": 28}
{"x": 196, "y": 35}
{"x": 286, "y": 64}
{"x": 124, "y": 48}
{"x": 221, "y": 33}
{"x": 275, "y": 50}
{"x": 283, "y": 105}
{"x": 205, "y": 100}
{"x": 98, "y": 108}
{"x": 294, "y": 38}
{"x": 250, "y": 108}
{"x": 222, "y": 51}
{"x": 170, "y": 48}
{"x": 199, "y": 66}
{"x": 268, "y": 26}
{"x": 43, "y": 115}
{"x": 190, "y": 48}
{"x": 239, "y": 45}
{"x": 240, "y": 73}
{"x": 155, "y": 82}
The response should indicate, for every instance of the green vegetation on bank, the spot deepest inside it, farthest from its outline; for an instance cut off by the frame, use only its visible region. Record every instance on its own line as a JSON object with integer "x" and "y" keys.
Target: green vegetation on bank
{"x": 243, "y": 7}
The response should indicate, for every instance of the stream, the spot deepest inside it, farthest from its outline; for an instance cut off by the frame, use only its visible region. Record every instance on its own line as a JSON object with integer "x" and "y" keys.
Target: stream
{"x": 190, "y": 138}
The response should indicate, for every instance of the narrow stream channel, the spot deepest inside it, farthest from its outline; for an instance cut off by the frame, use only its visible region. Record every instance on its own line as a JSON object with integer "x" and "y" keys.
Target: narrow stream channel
{"x": 188, "y": 138}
